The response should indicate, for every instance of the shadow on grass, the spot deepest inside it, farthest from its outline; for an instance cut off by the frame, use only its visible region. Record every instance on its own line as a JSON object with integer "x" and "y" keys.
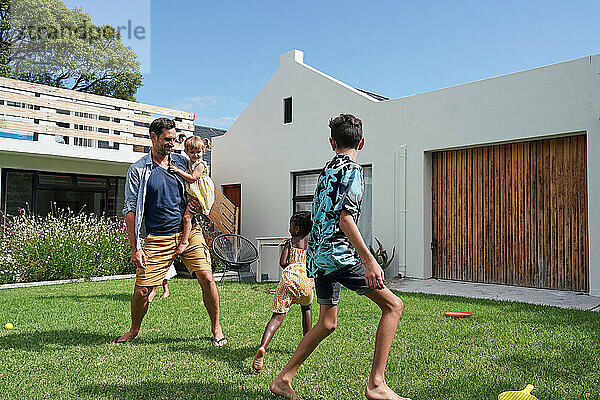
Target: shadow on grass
{"x": 43, "y": 341}
{"x": 121, "y": 297}
{"x": 174, "y": 390}
{"x": 50, "y": 340}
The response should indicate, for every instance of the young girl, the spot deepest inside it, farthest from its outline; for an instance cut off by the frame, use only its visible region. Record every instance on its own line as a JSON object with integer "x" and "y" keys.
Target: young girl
{"x": 165, "y": 284}
{"x": 198, "y": 184}
{"x": 294, "y": 286}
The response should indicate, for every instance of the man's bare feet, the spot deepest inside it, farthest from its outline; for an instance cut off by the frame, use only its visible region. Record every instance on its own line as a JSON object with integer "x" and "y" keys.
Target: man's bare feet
{"x": 181, "y": 248}
{"x": 257, "y": 363}
{"x": 382, "y": 392}
{"x": 124, "y": 338}
{"x": 283, "y": 389}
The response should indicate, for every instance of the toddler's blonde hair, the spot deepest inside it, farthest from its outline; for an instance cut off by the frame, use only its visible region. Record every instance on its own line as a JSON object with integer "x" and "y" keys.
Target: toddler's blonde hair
{"x": 196, "y": 143}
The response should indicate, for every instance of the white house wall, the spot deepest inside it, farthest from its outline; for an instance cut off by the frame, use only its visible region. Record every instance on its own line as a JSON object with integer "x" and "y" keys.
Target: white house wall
{"x": 543, "y": 102}
{"x": 260, "y": 151}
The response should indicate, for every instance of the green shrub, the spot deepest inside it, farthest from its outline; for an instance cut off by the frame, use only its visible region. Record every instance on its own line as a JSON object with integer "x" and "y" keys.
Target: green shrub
{"x": 62, "y": 245}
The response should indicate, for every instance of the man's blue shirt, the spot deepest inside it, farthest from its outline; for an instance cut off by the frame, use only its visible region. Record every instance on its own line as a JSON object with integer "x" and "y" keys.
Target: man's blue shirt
{"x": 165, "y": 203}
{"x": 136, "y": 185}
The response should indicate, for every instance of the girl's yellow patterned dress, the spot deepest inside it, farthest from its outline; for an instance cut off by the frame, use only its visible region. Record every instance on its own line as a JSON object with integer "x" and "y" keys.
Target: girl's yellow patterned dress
{"x": 203, "y": 189}
{"x": 295, "y": 287}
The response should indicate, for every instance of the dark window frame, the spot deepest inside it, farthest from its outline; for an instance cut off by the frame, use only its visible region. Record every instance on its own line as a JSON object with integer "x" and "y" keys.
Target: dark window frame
{"x": 301, "y": 198}
{"x": 287, "y": 110}
{"x": 36, "y": 187}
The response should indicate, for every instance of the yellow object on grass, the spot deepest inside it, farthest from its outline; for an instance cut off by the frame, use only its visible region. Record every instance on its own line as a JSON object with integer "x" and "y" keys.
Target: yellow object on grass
{"x": 518, "y": 395}
{"x": 8, "y": 326}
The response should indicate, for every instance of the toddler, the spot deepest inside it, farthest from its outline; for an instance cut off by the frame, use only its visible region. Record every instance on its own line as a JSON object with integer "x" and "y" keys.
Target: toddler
{"x": 198, "y": 184}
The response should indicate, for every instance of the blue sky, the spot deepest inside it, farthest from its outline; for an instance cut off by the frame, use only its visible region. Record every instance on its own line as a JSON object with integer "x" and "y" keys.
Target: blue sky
{"x": 212, "y": 58}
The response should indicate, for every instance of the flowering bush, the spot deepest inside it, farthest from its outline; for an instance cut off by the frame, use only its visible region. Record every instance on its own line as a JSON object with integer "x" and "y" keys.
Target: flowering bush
{"x": 62, "y": 245}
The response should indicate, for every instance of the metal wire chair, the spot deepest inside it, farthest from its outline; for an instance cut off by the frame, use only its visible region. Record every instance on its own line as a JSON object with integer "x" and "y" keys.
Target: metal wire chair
{"x": 235, "y": 251}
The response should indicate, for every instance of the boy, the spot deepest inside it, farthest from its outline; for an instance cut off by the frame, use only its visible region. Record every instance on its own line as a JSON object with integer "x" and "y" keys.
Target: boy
{"x": 337, "y": 255}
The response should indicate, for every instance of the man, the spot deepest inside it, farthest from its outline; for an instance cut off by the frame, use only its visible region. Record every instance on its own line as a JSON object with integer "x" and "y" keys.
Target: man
{"x": 154, "y": 206}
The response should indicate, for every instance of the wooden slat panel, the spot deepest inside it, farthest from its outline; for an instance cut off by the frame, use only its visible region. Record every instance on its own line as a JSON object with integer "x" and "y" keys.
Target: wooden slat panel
{"x": 540, "y": 239}
{"x": 447, "y": 217}
{"x": 225, "y": 201}
{"x": 453, "y": 203}
{"x": 582, "y": 151}
{"x": 224, "y": 214}
{"x": 55, "y": 130}
{"x": 59, "y": 92}
{"x": 513, "y": 214}
{"x": 56, "y": 117}
{"x": 578, "y": 262}
{"x": 59, "y": 104}
{"x": 435, "y": 211}
{"x": 470, "y": 194}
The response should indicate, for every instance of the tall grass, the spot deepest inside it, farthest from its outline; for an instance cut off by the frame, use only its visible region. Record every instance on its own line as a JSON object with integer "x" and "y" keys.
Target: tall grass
{"x": 62, "y": 245}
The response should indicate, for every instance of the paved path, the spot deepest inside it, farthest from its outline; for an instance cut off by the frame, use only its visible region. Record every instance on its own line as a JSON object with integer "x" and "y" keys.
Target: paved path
{"x": 558, "y": 298}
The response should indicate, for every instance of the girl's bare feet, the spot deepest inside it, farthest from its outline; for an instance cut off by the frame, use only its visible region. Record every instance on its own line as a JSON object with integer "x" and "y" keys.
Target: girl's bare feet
{"x": 283, "y": 389}
{"x": 382, "y": 392}
{"x": 152, "y": 294}
{"x": 181, "y": 248}
{"x": 257, "y": 363}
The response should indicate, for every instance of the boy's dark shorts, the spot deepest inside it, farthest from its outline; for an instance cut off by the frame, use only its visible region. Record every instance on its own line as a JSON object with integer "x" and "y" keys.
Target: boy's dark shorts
{"x": 328, "y": 285}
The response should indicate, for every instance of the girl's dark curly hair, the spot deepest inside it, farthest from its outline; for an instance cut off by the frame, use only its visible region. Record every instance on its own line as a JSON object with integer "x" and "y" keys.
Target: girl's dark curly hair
{"x": 303, "y": 221}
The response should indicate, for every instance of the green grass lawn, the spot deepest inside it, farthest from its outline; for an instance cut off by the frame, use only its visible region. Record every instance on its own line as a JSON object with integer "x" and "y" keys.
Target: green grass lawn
{"x": 59, "y": 347}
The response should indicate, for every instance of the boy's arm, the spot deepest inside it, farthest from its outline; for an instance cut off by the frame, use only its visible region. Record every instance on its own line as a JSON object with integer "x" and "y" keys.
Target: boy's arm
{"x": 283, "y": 260}
{"x": 373, "y": 272}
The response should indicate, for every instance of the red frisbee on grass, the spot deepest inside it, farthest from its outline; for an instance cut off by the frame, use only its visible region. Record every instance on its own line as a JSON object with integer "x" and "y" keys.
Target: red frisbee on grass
{"x": 459, "y": 314}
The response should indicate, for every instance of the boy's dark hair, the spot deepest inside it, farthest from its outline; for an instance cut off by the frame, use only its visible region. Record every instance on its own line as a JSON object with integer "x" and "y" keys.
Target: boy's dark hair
{"x": 346, "y": 130}
{"x": 303, "y": 221}
{"x": 159, "y": 124}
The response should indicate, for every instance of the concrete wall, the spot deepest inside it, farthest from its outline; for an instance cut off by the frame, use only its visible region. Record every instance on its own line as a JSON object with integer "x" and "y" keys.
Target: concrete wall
{"x": 261, "y": 152}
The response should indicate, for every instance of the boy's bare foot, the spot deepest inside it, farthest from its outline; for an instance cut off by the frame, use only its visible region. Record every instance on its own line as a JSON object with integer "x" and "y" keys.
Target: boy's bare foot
{"x": 283, "y": 389}
{"x": 152, "y": 295}
{"x": 382, "y": 392}
{"x": 257, "y": 363}
{"x": 124, "y": 338}
{"x": 181, "y": 248}
{"x": 164, "y": 295}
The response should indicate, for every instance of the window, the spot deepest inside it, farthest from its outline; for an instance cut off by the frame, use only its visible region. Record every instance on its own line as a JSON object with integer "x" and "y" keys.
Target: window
{"x": 304, "y": 189}
{"x": 39, "y": 191}
{"x": 287, "y": 110}
{"x": 304, "y": 186}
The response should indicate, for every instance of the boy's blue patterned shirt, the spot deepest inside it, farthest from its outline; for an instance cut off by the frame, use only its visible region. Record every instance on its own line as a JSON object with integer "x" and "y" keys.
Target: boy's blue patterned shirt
{"x": 340, "y": 187}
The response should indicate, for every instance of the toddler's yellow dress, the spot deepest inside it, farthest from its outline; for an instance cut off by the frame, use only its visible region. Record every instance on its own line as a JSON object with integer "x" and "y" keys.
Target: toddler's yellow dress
{"x": 295, "y": 287}
{"x": 203, "y": 189}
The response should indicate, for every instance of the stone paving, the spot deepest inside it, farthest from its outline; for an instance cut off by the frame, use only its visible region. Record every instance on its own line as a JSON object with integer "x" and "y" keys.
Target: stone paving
{"x": 557, "y": 298}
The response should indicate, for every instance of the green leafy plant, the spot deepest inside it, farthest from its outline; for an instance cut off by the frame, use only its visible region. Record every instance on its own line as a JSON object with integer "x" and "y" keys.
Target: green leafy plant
{"x": 381, "y": 255}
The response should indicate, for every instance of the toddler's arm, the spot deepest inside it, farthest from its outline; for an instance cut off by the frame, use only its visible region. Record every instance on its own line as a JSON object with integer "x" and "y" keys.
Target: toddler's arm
{"x": 373, "y": 272}
{"x": 285, "y": 253}
{"x": 191, "y": 178}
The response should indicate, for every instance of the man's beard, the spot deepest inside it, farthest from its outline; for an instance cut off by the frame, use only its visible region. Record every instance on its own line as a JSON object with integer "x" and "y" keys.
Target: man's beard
{"x": 164, "y": 151}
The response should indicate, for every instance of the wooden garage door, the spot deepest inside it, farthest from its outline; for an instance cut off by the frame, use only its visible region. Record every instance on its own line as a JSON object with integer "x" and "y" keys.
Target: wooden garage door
{"x": 512, "y": 214}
